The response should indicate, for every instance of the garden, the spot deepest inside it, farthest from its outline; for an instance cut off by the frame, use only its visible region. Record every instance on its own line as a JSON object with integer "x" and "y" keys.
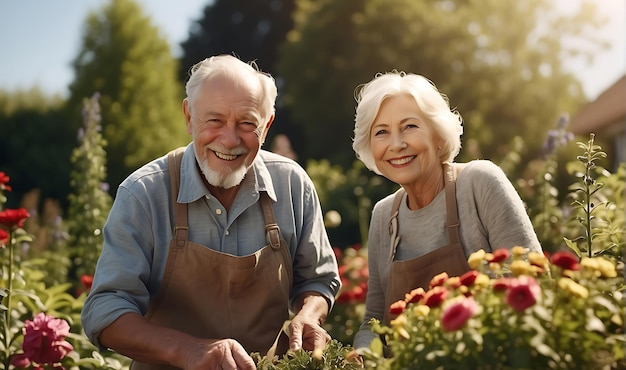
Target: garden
{"x": 563, "y": 309}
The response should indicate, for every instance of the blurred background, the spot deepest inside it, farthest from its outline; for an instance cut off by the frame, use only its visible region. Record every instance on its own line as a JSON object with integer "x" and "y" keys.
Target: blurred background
{"x": 517, "y": 71}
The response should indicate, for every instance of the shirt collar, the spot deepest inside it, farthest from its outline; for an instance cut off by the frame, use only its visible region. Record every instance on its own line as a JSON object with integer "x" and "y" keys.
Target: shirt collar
{"x": 192, "y": 187}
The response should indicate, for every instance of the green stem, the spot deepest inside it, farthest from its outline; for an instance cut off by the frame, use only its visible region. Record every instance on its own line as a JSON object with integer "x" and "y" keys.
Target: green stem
{"x": 7, "y": 327}
{"x": 587, "y": 179}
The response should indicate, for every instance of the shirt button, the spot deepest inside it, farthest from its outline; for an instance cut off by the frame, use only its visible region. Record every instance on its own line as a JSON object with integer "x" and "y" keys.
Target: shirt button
{"x": 207, "y": 196}
{"x": 227, "y": 232}
{"x": 218, "y": 211}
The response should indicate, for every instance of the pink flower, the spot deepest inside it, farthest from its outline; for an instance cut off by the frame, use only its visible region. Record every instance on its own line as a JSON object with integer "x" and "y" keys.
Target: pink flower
{"x": 44, "y": 339}
{"x": 522, "y": 292}
{"x": 14, "y": 217}
{"x": 456, "y": 315}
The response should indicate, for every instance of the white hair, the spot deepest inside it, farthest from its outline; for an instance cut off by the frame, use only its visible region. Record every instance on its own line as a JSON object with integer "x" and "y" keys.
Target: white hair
{"x": 434, "y": 106}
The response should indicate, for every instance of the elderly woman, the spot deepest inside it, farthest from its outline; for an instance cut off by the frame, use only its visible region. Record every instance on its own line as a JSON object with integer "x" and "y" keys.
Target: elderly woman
{"x": 444, "y": 211}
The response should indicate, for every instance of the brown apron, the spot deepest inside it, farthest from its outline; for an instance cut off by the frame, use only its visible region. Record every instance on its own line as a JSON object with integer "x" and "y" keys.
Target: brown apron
{"x": 407, "y": 275}
{"x": 209, "y": 294}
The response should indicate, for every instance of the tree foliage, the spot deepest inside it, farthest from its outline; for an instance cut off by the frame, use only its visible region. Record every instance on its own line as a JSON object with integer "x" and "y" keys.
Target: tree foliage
{"x": 499, "y": 63}
{"x": 127, "y": 61}
{"x": 252, "y": 30}
{"x": 35, "y": 143}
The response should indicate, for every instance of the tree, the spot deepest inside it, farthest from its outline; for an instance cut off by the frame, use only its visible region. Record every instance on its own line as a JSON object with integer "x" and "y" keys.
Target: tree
{"x": 126, "y": 60}
{"x": 251, "y": 30}
{"x": 499, "y": 62}
{"x": 35, "y": 144}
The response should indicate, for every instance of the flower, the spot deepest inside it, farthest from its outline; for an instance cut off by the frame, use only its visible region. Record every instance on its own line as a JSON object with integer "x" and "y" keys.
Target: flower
{"x": 512, "y": 310}
{"x": 4, "y": 180}
{"x": 457, "y": 313}
{"x": 13, "y": 218}
{"x": 4, "y": 238}
{"x": 522, "y": 292}
{"x": 87, "y": 281}
{"x": 44, "y": 340}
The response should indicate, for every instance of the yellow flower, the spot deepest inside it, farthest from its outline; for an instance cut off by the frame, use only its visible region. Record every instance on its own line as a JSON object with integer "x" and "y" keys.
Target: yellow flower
{"x": 519, "y": 251}
{"x": 475, "y": 259}
{"x": 537, "y": 259}
{"x": 482, "y": 280}
{"x": 317, "y": 354}
{"x": 573, "y": 287}
{"x": 421, "y": 310}
{"x": 606, "y": 267}
{"x": 399, "y": 321}
{"x": 519, "y": 267}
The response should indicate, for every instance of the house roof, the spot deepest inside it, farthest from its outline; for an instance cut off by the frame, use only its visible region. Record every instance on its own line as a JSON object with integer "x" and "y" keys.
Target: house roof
{"x": 609, "y": 107}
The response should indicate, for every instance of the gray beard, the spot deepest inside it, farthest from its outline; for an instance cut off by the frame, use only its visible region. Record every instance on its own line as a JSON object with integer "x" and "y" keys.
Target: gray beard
{"x": 219, "y": 180}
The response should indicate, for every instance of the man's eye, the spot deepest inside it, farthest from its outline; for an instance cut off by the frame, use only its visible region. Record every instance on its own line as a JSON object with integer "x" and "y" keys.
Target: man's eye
{"x": 248, "y": 126}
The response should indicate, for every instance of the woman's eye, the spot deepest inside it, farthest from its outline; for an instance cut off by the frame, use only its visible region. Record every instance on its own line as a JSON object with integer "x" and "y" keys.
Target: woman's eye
{"x": 380, "y": 132}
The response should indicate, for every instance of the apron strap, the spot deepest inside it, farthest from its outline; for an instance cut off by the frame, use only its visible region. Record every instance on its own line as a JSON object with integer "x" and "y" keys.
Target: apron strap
{"x": 174, "y": 159}
{"x": 272, "y": 231}
{"x": 393, "y": 223}
{"x": 452, "y": 215}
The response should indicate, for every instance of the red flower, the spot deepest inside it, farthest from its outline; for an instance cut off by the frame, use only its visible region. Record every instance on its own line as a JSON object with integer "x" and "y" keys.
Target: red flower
{"x": 338, "y": 253}
{"x": 397, "y": 307}
{"x": 565, "y": 260}
{"x": 415, "y": 296}
{"x": 469, "y": 277}
{"x": 4, "y": 180}
{"x": 523, "y": 292}
{"x": 500, "y": 255}
{"x": 4, "y": 238}
{"x": 435, "y": 296}
{"x": 14, "y": 217}
{"x": 457, "y": 314}
{"x": 87, "y": 281}
{"x": 501, "y": 284}
{"x": 44, "y": 339}
{"x": 439, "y": 279}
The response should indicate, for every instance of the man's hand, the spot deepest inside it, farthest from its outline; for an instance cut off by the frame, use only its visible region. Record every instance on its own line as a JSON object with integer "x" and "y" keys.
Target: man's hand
{"x": 219, "y": 354}
{"x": 306, "y": 333}
{"x": 305, "y": 330}
{"x": 132, "y": 335}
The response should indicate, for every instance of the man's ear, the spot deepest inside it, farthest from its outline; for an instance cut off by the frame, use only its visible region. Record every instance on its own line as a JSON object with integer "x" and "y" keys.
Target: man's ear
{"x": 266, "y": 129}
{"x": 187, "y": 114}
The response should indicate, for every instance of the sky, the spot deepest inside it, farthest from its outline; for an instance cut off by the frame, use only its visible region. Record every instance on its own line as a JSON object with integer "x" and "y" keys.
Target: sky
{"x": 39, "y": 39}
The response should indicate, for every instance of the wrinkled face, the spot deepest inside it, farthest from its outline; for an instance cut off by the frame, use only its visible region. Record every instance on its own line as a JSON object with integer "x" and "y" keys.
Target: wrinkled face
{"x": 403, "y": 143}
{"x": 227, "y": 129}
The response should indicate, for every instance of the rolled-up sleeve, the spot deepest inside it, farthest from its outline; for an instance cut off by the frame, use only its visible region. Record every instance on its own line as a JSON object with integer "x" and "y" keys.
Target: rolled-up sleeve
{"x": 121, "y": 282}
